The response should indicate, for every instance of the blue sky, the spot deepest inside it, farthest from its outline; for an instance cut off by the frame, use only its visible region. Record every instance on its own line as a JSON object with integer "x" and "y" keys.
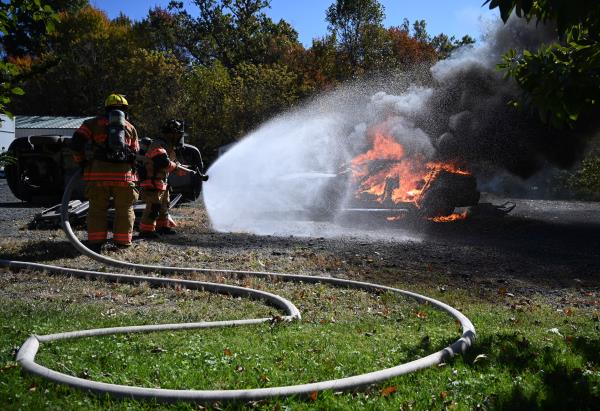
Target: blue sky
{"x": 456, "y": 17}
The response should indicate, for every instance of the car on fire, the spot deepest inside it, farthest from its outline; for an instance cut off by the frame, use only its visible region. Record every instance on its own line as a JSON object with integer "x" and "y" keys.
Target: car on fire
{"x": 438, "y": 195}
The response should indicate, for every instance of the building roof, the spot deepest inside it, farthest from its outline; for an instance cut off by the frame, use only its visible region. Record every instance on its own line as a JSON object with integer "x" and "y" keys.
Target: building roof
{"x": 49, "y": 122}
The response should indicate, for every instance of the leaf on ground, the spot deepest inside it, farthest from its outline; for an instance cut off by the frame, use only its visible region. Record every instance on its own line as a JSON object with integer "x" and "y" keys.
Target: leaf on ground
{"x": 387, "y": 391}
{"x": 313, "y": 395}
{"x": 227, "y": 352}
{"x": 554, "y": 331}
{"x": 568, "y": 312}
{"x": 421, "y": 314}
{"x": 444, "y": 395}
{"x": 480, "y": 357}
{"x": 8, "y": 366}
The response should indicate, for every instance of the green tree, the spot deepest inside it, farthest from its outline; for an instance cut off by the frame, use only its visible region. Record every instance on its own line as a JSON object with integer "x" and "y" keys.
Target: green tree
{"x": 561, "y": 80}
{"x": 85, "y": 56}
{"x": 354, "y": 23}
{"x": 261, "y": 91}
{"x": 31, "y": 21}
{"x": 420, "y": 31}
{"x": 154, "y": 83}
{"x": 89, "y": 56}
{"x": 233, "y": 32}
{"x": 209, "y": 109}
{"x": 445, "y": 45}
{"x": 162, "y": 30}
{"x": 12, "y": 15}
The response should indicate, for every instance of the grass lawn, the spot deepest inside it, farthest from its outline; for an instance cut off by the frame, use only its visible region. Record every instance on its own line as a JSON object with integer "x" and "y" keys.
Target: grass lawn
{"x": 530, "y": 352}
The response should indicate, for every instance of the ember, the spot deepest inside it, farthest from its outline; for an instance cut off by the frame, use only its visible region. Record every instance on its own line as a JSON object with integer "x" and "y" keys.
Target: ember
{"x": 448, "y": 218}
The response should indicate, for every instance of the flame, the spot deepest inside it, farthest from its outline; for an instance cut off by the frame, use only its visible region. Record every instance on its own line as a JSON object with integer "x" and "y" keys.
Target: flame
{"x": 386, "y": 174}
{"x": 448, "y": 218}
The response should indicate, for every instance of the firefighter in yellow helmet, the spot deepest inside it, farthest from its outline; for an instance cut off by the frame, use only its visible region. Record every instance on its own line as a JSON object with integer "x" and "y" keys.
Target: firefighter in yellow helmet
{"x": 160, "y": 161}
{"x": 110, "y": 171}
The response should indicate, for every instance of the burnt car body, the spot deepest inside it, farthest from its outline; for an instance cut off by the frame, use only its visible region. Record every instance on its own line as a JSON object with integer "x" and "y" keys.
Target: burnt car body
{"x": 440, "y": 194}
{"x": 44, "y": 164}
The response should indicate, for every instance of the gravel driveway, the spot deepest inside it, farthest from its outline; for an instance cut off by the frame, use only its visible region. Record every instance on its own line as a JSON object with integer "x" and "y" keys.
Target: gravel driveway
{"x": 547, "y": 247}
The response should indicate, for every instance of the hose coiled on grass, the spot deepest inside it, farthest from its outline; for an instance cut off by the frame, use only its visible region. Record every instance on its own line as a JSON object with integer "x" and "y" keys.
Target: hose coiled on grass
{"x": 28, "y": 351}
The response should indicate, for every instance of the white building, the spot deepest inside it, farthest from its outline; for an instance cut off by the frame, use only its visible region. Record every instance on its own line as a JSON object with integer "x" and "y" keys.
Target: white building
{"x": 46, "y": 125}
{"x": 7, "y": 132}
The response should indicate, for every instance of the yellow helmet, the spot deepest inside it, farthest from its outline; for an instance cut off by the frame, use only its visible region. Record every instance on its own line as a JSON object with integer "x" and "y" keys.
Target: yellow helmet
{"x": 116, "y": 100}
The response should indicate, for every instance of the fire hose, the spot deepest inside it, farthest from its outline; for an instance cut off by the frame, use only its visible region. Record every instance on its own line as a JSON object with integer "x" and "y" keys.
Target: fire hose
{"x": 27, "y": 352}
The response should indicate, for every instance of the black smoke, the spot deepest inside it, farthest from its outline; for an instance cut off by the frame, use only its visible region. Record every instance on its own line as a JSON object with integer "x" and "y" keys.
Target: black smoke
{"x": 469, "y": 116}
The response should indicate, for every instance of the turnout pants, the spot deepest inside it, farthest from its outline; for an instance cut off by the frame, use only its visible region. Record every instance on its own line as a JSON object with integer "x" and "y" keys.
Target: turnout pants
{"x": 123, "y": 197}
{"x": 156, "y": 214}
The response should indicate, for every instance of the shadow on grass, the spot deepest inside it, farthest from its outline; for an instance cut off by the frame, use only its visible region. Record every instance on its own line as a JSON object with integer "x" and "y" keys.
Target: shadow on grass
{"x": 42, "y": 251}
{"x": 560, "y": 386}
{"x": 563, "y": 389}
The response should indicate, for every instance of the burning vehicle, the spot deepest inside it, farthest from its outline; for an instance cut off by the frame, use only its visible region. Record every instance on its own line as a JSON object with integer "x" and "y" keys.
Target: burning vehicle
{"x": 385, "y": 179}
{"x": 44, "y": 164}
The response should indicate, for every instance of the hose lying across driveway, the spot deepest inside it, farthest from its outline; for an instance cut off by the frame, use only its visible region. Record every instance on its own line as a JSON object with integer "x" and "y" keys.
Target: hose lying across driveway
{"x": 27, "y": 352}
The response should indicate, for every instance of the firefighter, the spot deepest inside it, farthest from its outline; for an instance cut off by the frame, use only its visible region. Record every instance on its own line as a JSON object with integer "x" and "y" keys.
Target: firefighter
{"x": 160, "y": 161}
{"x": 110, "y": 171}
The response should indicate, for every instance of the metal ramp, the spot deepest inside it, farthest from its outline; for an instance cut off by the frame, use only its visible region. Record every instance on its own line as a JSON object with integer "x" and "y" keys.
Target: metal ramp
{"x": 49, "y": 218}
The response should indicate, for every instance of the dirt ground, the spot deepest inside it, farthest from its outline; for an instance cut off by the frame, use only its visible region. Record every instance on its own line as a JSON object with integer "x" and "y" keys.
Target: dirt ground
{"x": 548, "y": 248}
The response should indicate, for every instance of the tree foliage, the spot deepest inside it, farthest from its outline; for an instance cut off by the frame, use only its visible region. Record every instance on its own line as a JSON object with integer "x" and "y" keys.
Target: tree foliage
{"x": 30, "y": 23}
{"x": 224, "y": 67}
{"x": 233, "y": 32}
{"x": 561, "y": 80}
{"x": 14, "y": 15}
{"x": 354, "y": 23}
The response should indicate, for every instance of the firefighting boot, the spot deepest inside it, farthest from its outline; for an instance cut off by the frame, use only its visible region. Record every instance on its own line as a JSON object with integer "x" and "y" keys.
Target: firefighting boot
{"x": 149, "y": 235}
{"x": 166, "y": 231}
{"x": 110, "y": 248}
{"x": 95, "y": 247}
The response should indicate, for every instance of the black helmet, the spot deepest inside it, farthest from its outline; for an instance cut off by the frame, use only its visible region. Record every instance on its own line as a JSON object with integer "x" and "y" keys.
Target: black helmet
{"x": 173, "y": 126}
{"x": 145, "y": 143}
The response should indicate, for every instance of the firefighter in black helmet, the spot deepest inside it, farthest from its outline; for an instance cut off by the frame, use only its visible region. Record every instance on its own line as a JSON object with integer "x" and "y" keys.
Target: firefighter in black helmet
{"x": 160, "y": 161}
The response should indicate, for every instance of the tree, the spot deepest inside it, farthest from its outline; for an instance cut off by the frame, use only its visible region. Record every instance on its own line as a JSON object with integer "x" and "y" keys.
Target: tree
{"x": 261, "y": 92}
{"x": 408, "y": 51}
{"x": 154, "y": 84}
{"x": 445, "y": 45}
{"x": 210, "y": 106}
{"x": 12, "y": 14}
{"x": 233, "y": 32}
{"x": 84, "y": 56}
{"x": 162, "y": 31}
{"x": 89, "y": 56}
{"x": 561, "y": 80}
{"x": 353, "y": 22}
{"x": 223, "y": 104}
{"x": 420, "y": 31}
{"x": 31, "y": 21}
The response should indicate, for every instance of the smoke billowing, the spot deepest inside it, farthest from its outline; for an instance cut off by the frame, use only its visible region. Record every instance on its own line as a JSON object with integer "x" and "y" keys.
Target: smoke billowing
{"x": 289, "y": 163}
